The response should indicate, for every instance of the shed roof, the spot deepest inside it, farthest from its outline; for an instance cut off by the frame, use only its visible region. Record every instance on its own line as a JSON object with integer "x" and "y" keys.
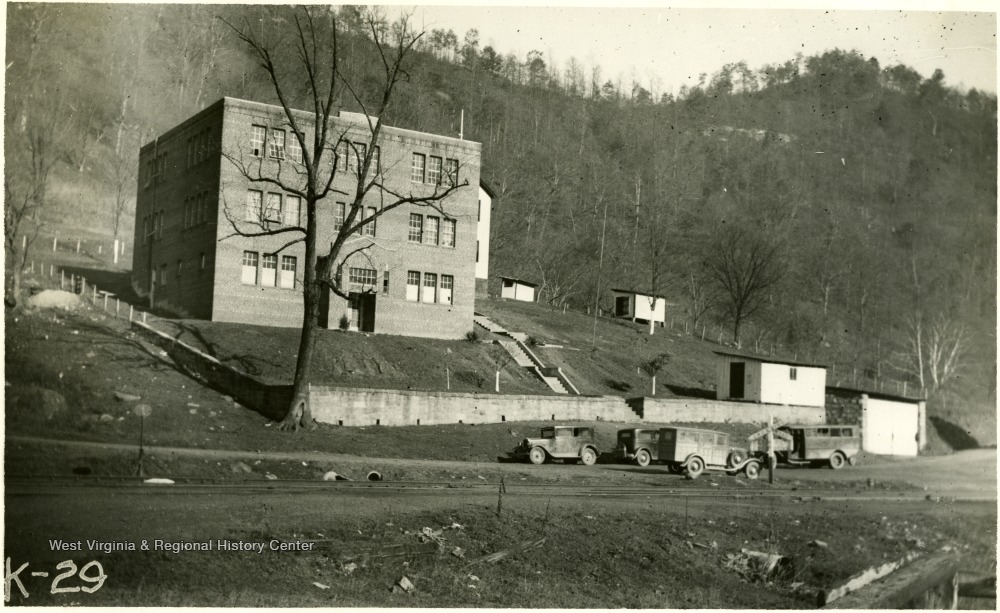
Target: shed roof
{"x": 486, "y": 188}
{"x": 638, "y": 293}
{"x": 875, "y": 394}
{"x": 521, "y": 281}
{"x": 768, "y": 359}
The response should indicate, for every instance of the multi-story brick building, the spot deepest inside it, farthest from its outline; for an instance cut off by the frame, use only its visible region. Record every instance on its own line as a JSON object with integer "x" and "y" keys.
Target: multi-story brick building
{"x": 416, "y": 277}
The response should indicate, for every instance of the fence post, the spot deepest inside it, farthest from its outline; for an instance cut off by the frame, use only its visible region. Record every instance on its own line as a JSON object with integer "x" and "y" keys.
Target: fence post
{"x": 703, "y": 332}
{"x": 55, "y": 243}
{"x": 24, "y": 242}
{"x": 105, "y": 302}
{"x": 130, "y": 313}
{"x": 78, "y": 245}
{"x": 118, "y": 303}
{"x": 94, "y": 299}
{"x": 32, "y": 266}
{"x": 144, "y": 317}
{"x": 116, "y": 251}
{"x": 62, "y": 278}
{"x": 52, "y": 269}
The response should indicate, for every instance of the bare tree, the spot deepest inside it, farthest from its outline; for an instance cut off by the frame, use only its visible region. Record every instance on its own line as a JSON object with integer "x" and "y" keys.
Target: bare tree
{"x": 316, "y": 53}
{"x": 30, "y": 158}
{"x": 945, "y": 346}
{"x": 121, "y": 175}
{"x": 654, "y": 366}
{"x": 501, "y": 358}
{"x": 746, "y": 267}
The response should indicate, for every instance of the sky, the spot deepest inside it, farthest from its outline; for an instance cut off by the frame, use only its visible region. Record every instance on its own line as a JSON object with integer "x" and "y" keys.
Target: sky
{"x": 667, "y": 47}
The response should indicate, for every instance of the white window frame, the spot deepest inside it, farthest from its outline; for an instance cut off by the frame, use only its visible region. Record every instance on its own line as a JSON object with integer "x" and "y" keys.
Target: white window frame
{"x": 251, "y": 260}
{"x": 447, "y": 289}
{"x": 339, "y": 215}
{"x": 369, "y": 228}
{"x": 449, "y": 228}
{"x": 412, "y": 289}
{"x": 341, "y": 155}
{"x": 254, "y": 206}
{"x": 434, "y": 166}
{"x": 289, "y": 264}
{"x": 428, "y": 292}
{"x": 269, "y": 270}
{"x": 258, "y": 136}
{"x": 451, "y": 171}
{"x": 272, "y": 212}
{"x": 432, "y": 230}
{"x": 291, "y": 214}
{"x": 276, "y": 144}
{"x": 416, "y": 232}
{"x": 362, "y": 276}
{"x": 294, "y": 149}
{"x": 418, "y": 168}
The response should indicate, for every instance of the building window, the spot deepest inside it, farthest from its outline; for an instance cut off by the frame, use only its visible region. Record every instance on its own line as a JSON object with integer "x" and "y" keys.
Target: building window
{"x": 204, "y": 261}
{"x": 295, "y": 149}
{"x": 477, "y": 252}
{"x": 451, "y": 172}
{"x": 254, "y": 206}
{"x": 434, "y": 170}
{"x": 339, "y": 215}
{"x": 269, "y": 270}
{"x": 273, "y": 210}
{"x": 417, "y": 170}
{"x": 360, "y": 151}
{"x": 430, "y": 287}
{"x": 249, "y": 276}
{"x": 180, "y": 265}
{"x": 448, "y": 233}
{"x": 276, "y": 146}
{"x": 447, "y": 286}
{"x": 385, "y": 282}
{"x": 257, "y": 134}
{"x": 431, "y": 231}
{"x": 376, "y": 166}
{"x": 363, "y": 276}
{"x": 793, "y": 374}
{"x": 340, "y": 155}
{"x": 412, "y": 286}
{"x": 288, "y": 265}
{"x": 163, "y": 275}
{"x": 292, "y": 206}
{"x": 369, "y": 228}
{"x": 416, "y": 227}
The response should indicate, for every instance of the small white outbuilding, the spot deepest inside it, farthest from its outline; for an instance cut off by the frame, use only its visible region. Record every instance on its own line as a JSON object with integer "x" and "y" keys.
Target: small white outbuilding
{"x": 759, "y": 378}
{"x": 516, "y": 289}
{"x": 630, "y": 304}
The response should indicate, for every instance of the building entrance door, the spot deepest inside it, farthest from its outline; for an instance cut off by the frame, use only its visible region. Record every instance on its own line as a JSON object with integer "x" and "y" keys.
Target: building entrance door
{"x": 737, "y": 372}
{"x": 361, "y": 311}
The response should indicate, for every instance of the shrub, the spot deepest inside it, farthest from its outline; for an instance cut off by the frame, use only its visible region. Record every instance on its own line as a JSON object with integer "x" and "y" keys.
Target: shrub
{"x": 533, "y": 341}
{"x": 472, "y": 336}
{"x": 345, "y": 323}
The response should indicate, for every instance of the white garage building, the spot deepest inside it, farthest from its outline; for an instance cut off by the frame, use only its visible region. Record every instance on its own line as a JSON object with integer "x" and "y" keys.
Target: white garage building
{"x": 760, "y": 378}
{"x": 890, "y": 424}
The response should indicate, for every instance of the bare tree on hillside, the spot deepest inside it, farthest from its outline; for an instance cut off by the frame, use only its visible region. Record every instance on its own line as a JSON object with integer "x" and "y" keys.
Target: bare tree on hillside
{"x": 121, "y": 175}
{"x": 746, "y": 267}
{"x": 317, "y": 60}
{"x": 30, "y": 158}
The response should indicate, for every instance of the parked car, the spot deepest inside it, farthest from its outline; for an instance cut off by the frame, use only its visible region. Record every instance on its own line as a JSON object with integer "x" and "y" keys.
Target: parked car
{"x": 637, "y": 445}
{"x": 693, "y": 450}
{"x": 824, "y": 444}
{"x": 559, "y": 442}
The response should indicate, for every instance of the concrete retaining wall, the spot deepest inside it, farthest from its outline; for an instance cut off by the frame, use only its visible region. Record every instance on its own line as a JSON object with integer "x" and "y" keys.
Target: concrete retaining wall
{"x": 687, "y": 410}
{"x": 366, "y": 407}
{"x": 269, "y": 400}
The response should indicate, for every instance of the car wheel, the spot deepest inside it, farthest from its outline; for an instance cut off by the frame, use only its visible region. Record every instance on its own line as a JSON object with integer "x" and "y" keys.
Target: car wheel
{"x": 536, "y": 455}
{"x": 674, "y": 467}
{"x": 736, "y": 458}
{"x": 837, "y": 460}
{"x": 642, "y": 458}
{"x": 695, "y": 467}
{"x": 588, "y": 456}
{"x": 752, "y": 470}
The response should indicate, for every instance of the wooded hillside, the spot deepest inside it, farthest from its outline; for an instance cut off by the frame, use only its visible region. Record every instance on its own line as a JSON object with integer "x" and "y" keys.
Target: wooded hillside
{"x": 828, "y": 207}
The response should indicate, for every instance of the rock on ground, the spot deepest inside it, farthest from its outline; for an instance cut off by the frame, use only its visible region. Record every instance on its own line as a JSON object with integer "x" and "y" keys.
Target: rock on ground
{"x": 54, "y": 298}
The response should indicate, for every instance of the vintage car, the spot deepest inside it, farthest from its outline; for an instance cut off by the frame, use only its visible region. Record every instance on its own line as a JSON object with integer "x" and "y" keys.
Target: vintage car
{"x": 693, "y": 450}
{"x": 573, "y": 443}
{"x": 824, "y": 444}
{"x": 637, "y": 445}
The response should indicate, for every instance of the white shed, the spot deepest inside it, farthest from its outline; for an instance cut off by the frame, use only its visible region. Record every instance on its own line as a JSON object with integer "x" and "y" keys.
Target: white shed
{"x": 771, "y": 380}
{"x": 630, "y": 304}
{"x": 516, "y": 289}
{"x": 487, "y": 197}
{"x": 890, "y": 424}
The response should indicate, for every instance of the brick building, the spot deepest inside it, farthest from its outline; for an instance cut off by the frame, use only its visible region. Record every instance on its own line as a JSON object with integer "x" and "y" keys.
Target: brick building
{"x": 416, "y": 277}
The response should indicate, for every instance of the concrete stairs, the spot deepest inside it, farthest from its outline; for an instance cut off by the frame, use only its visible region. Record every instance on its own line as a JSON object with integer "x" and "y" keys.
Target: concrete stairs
{"x": 526, "y": 358}
{"x": 515, "y": 351}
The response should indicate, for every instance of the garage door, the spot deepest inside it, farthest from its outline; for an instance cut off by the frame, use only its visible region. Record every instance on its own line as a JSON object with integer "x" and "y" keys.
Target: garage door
{"x": 890, "y": 428}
